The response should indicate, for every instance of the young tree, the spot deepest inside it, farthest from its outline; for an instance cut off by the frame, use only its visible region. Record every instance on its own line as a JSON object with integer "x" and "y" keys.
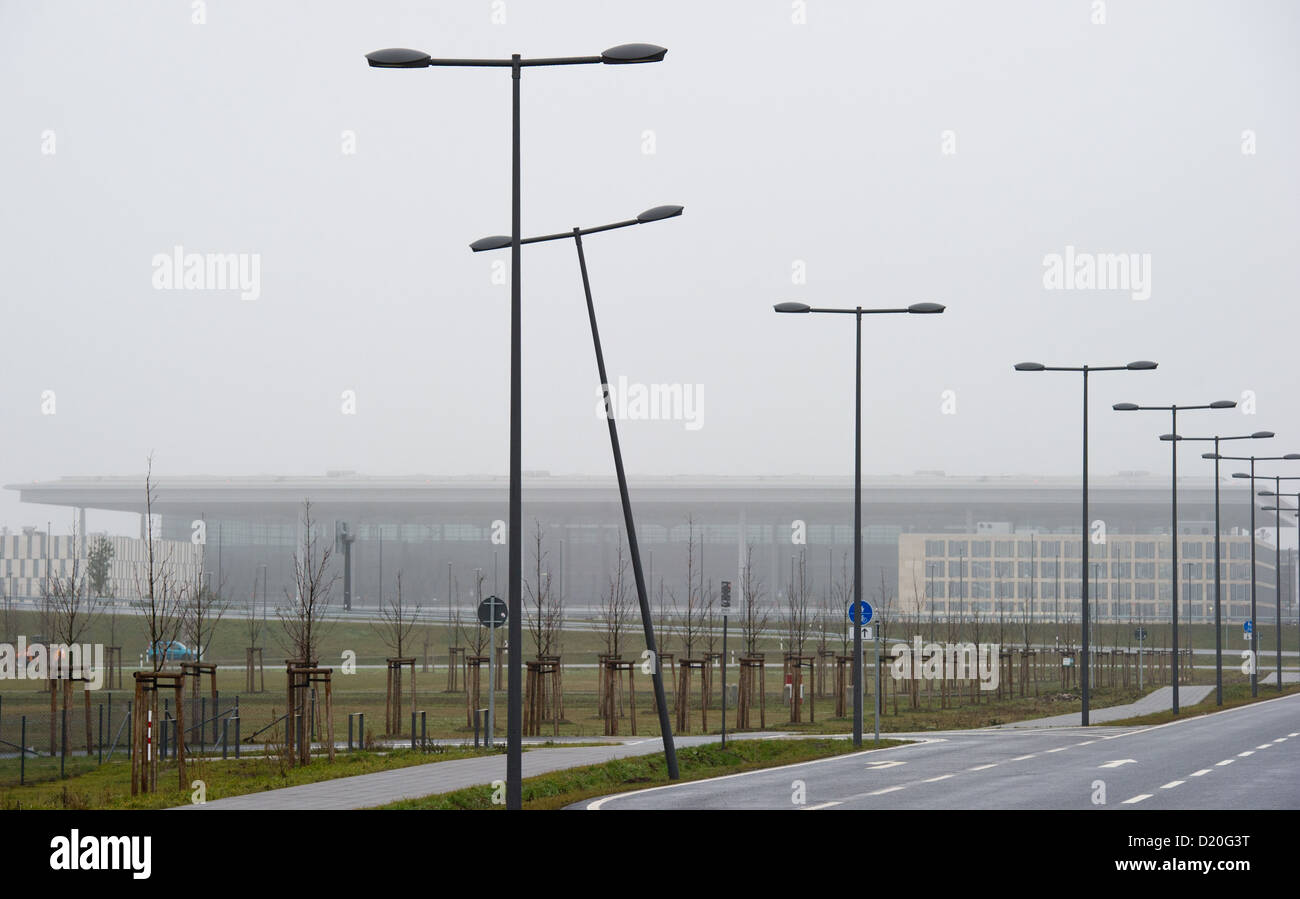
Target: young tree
{"x": 545, "y": 605}
{"x": 72, "y": 604}
{"x": 616, "y": 606}
{"x": 396, "y": 622}
{"x": 253, "y": 624}
{"x": 205, "y": 606}
{"x": 754, "y": 612}
{"x": 313, "y": 581}
{"x": 162, "y": 589}
{"x": 797, "y": 606}
{"x": 691, "y": 614}
{"x": 98, "y": 558}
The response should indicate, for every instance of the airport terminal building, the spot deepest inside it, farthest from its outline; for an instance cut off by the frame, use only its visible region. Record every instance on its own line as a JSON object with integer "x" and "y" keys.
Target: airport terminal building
{"x": 438, "y": 530}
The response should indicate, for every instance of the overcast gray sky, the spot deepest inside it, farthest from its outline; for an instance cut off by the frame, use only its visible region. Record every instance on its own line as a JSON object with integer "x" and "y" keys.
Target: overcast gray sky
{"x": 820, "y": 143}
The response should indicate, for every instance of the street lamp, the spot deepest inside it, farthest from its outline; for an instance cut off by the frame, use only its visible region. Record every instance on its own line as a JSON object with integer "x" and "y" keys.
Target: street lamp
{"x": 1279, "y": 510}
{"x": 1141, "y": 365}
{"x": 398, "y": 58}
{"x": 857, "y": 312}
{"x": 1254, "y": 640}
{"x": 655, "y": 214}
{"x": 1218, "y": 559}
{"x": 1277, "y": 565}
{"x": 1173, "y": 438}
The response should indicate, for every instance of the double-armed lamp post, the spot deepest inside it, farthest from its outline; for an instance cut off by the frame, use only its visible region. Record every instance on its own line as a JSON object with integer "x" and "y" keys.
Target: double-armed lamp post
{"x": 398, "y": 58}
{"x": 1085, "y": 370}
{"x": 657, "y": 214}
{"x": 857, "y": 312}
{"x": 1172, "y": 437}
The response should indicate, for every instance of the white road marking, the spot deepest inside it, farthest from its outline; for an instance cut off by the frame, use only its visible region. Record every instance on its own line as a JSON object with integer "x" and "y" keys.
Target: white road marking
{"x": 1059, "y": 749}
{"x": 1137, "y": 798}
{"x": 1264, "y": 746}
{"x": 1021, "y": 758}
{"x": 1086, "y": 743}
{"x": 1224, "y": 762}
{"x": 1118, "y": 763}
{"x": 981, "y": 767}
{"x": 940, "y": 777}
{"x": 1172, "y": 784}
{"x": 1242, "y": 755}
{"x": 882, "y": 765}
{"x": 813, "y": 808}
{"x": 1280, "y": 740}
{"x": 1199, "y": 773}
{"x": 885, "y": 790}
{"x": 1293, "y": 735}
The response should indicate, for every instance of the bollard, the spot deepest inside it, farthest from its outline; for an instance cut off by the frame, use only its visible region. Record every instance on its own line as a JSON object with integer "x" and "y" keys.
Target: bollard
{"x": 476, "y": 728}
{"x": 236, "y": 730}
{"x": 413, "y": 730}
{"x": 424, "y": 740}
{"x": 350, "y": 714}
{"x": 361, "y": 730}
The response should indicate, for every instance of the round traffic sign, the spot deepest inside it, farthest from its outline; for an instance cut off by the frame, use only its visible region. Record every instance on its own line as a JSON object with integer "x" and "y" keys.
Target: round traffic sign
{"x": 866, "y": 612}
{"x": 493, "y": 612}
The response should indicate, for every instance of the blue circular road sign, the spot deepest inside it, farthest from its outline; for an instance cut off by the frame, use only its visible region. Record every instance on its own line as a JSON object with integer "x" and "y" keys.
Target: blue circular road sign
{"x": 865, "y": 614}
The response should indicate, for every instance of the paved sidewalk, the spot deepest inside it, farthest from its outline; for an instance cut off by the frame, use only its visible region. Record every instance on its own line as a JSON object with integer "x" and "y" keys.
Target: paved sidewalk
{"x": 1156, "y": 701}
{"x": 383, "y": 787}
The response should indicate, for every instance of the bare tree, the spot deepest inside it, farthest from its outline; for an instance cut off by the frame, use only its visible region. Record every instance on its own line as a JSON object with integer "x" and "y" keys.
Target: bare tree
{"x": 162, "y": 590}
{"x": 396, "y": 621}
{"x": 204, "y": 608}
{"x": 842, "y": 595}
{"x": 754, "y": 612}
{"x": 253, "y": 624}
{"x": 474, "y": 633}
{"x": 545, "y": 605}
{"x": 616, "y": 606}
{"x": 690, "y": 615}
{"x": 797, "y": 606}
{"x": 313, "y": 581}
{"x": 71, "y": 602}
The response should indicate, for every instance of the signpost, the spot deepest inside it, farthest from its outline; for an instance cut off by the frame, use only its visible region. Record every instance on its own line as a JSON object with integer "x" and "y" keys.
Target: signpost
{"x": 492, "y": 613}
{"x": 726, "y": 609}
{"x": 1141, "y": 635}
{"x": 1247, "y": 628}
{"x": 863, "y": 611}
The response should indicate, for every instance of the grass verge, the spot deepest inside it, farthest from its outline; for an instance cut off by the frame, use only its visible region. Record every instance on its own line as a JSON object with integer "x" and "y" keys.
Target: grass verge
{"x": 558, "y": 789}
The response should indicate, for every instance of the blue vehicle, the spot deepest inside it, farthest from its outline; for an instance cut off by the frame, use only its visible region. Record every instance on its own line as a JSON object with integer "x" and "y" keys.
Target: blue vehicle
{"x": 172, "y": 651}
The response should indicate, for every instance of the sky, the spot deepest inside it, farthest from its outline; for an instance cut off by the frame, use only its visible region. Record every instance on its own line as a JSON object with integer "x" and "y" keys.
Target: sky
{"x": 833, "y": 153}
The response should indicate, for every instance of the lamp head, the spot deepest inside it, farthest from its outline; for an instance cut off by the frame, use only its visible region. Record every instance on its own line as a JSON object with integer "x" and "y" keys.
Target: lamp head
{"x": 792, "y": 307}
{"x": 1030, "y": 366}
{"x": 1141, "y": 365}
{"x": 496, "y": 242}
{"x": 1126, "y": 407}
{"x": 1223, "y": 404}
{"x": 398, "y": 58}
{"x": 659, "y": 213}
{"x": 926, "y": 308}
{"x": 626, "y": 54}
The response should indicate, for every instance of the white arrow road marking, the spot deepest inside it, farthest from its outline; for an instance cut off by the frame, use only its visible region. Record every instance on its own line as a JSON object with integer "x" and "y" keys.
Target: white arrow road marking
{"x": 1199, "y": 773}
{"x": 1136, "y": 799}
{"x": 882, "y": 765}
{"x": 813, "y": 808}
{"x": 940, "y": 777}
{"x": 1224, "y": 762}
{"x": 1118, "y": 763}
{"x": 1172, "y": 784}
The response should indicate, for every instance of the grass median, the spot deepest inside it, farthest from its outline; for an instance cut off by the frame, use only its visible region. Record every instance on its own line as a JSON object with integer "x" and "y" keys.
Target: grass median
{"x": 558, "y": 789}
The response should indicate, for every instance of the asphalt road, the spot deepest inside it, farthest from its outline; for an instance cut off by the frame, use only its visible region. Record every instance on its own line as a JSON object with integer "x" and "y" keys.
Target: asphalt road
{"x": 1242, "y": 758}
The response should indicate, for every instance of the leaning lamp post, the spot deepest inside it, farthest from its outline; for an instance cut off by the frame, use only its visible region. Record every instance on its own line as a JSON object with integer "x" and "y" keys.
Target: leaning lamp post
{"x": 1141, "y": 365}
{"x": 858, "y": 312}
{"x": 657, "y": 214}
{"x": 399, "y": 58}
